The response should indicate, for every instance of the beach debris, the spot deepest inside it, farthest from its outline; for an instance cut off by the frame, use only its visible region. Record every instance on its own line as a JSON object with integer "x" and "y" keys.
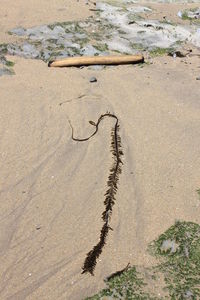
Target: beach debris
{"x": 93, "y": 79}
{"x": 198, "y": 78}
{"x": 97, "y": 60}
{"x": 112, "y": 186}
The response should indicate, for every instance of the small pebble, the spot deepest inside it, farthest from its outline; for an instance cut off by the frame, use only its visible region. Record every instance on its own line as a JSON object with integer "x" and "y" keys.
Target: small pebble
{"x": 93, "y": 79}
{"x": 38, "y": 227}
{"x": 198, "y": 78}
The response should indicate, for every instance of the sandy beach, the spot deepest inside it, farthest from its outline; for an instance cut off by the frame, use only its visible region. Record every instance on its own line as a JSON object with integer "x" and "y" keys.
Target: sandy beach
{"x": 52, "y": 187}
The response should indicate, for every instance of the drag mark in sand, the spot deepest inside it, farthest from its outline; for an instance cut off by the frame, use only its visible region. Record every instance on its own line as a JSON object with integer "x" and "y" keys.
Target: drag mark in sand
{"x": 112, "y": 185}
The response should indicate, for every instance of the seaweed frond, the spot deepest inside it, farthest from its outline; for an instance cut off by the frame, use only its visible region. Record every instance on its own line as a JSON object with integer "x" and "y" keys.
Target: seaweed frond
{"x": 113, "y": 178}
{"x": 112, "y": 185}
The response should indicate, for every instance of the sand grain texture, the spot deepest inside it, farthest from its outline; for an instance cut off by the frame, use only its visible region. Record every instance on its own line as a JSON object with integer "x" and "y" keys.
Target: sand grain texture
{"x": 52, "y": 187}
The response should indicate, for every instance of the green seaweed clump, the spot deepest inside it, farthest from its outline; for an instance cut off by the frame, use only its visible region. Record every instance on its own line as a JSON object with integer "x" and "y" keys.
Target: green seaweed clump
{"x": 178, "y": 254}
{"x": 179, "y": 251}
{"x": 10, "y": 63}
{"x": 128, "y": 285}
{"x": 3, "y": 49}
{"x": 160, "y": 51}
{"x": 190, "y": 15}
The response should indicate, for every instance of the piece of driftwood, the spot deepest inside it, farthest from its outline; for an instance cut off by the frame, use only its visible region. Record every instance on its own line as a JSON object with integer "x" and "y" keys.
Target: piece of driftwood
{"x": 96, "y": 60}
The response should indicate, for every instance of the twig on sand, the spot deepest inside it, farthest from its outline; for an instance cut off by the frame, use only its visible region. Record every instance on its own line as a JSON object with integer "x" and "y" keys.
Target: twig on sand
{"x": 70, "y": 100}
{"x": 118, "y": 273}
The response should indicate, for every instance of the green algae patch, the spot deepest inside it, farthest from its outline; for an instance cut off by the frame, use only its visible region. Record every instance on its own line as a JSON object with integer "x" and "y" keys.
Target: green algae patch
{"x": 128, "y": 285}
{"x": 101, "y": 47}
{"x": 10, "y": 63}
{"x": 4, "y": 61}
{"x": 6, "y": 66}
{"x": 192, "y": 15}
{"x": 160, "y": 51}
{"x": 177, "y": 251}
{"x": 185, "y": 16}
{"x": 3, "y": 49}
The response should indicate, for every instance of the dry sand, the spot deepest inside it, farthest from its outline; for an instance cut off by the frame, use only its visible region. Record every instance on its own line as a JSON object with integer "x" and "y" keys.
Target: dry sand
{"x": 52, "y": 187}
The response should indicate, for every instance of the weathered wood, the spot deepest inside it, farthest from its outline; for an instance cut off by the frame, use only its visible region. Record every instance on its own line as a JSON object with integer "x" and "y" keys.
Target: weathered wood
{"x": 96, "y": 60}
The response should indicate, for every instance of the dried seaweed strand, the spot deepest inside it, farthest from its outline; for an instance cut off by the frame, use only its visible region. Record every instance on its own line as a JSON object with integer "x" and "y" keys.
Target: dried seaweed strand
{"x": 92, "y": 256}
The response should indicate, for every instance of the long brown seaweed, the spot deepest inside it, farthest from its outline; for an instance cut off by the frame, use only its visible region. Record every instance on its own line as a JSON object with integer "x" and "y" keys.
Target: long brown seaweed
{"x": 112, "y": 185}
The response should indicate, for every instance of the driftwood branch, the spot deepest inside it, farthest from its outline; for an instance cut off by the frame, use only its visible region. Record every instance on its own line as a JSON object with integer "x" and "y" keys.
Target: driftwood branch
{"x": 96, "y": 60}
